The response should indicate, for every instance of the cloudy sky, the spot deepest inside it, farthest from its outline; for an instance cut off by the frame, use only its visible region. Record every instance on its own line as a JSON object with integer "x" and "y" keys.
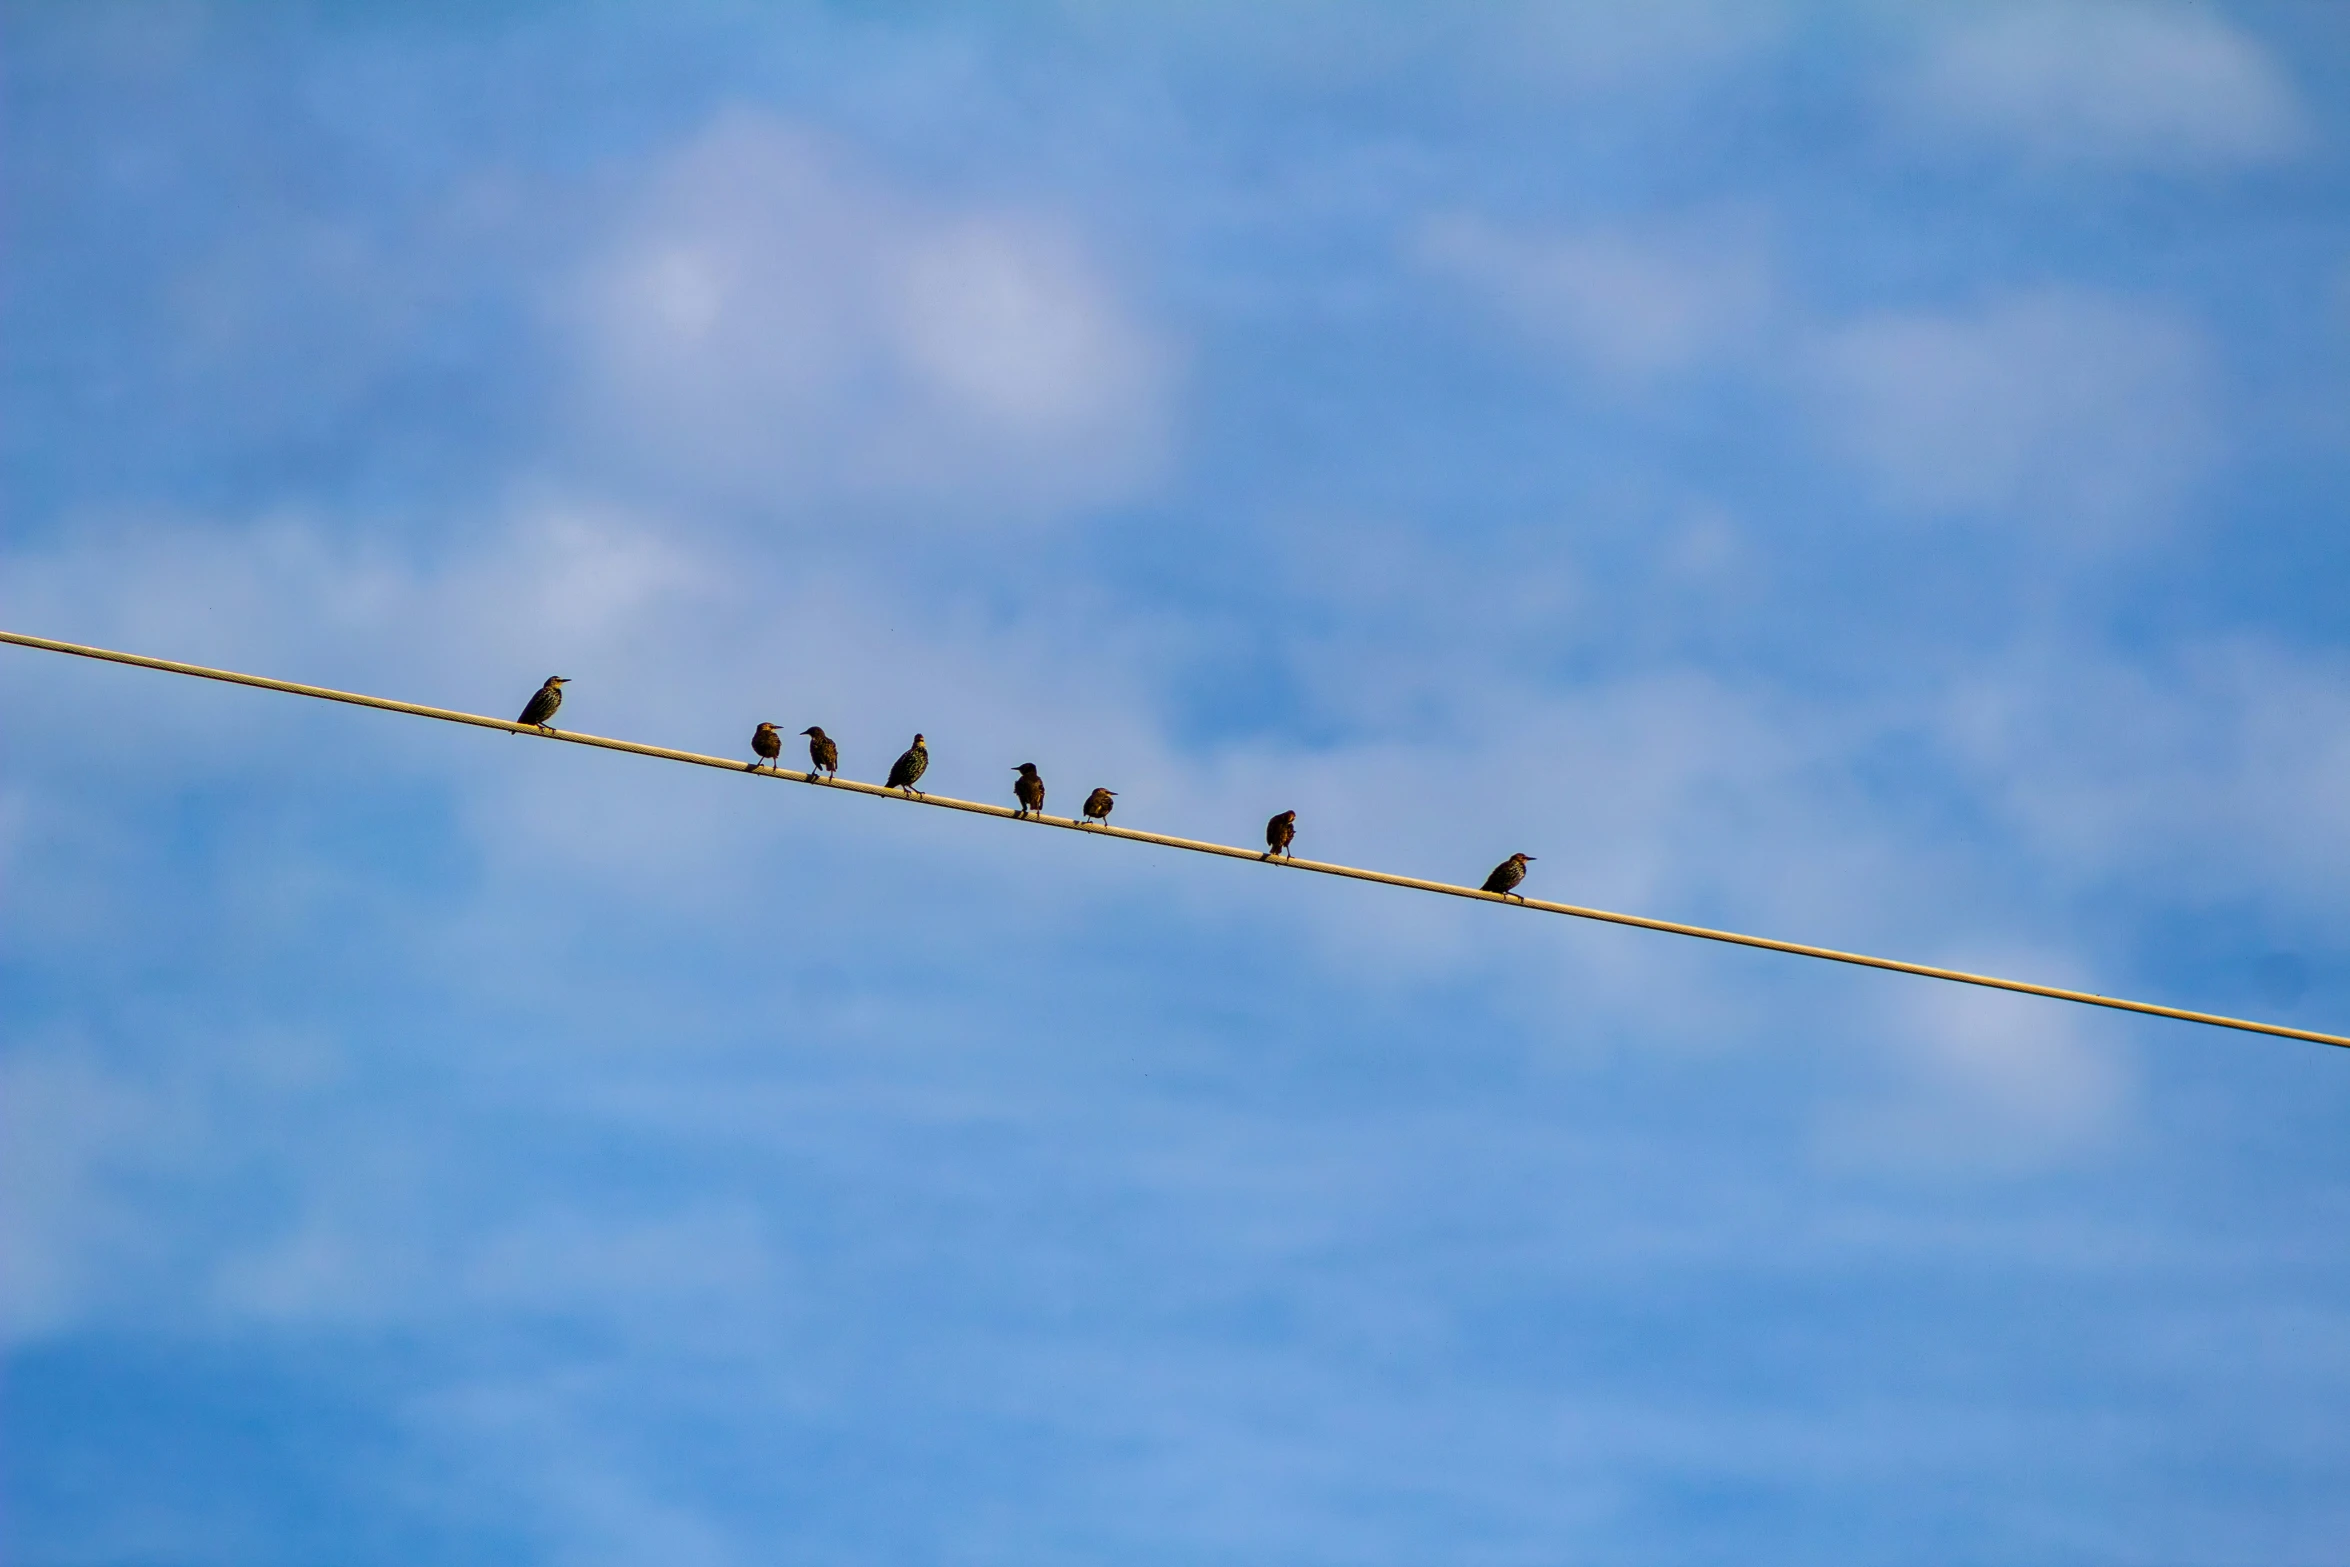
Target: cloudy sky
{"x": 1870, "y": 475}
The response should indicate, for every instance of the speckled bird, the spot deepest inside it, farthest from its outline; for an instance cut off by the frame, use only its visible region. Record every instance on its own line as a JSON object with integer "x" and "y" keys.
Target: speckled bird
{"x": 1507, "y": 875}
{"x": 824, "y": 755}
{"x": 542, "y": 704}
{"x": 1028, "y": 789}
{"x": 1280, "y": 832}
{"x": 1099, "y": 804}
{"x": 907, "y": 770}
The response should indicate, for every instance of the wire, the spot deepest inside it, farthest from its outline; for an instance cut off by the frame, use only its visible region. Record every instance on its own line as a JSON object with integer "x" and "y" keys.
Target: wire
{"x": 1196, "y": 846}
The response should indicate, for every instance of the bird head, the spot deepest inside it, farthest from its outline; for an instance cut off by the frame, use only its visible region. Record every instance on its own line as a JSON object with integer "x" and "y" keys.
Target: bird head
{"x": 1286, "y": 816}
{"x": 1026, "y": 769}
{"x": 814, "y": 731}
{"x": 766, "y": 728}
{"x": 1523, "y": 859}
{"x": 917, "y": 739}
{"x": 558, "y": 680}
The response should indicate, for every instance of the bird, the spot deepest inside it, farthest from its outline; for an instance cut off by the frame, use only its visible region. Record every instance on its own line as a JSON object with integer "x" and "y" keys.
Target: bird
{"x": 907, "y": 770}
{"x": 1099, "y": 804}
{"x": 542, "y": 704}
{"x": 1028, "y": 789}
{"x": 1507, "y": 875}
{"x": 1278, "y": 834}
{"x": 767, "y": 740}
{"x": 824, "y": 755}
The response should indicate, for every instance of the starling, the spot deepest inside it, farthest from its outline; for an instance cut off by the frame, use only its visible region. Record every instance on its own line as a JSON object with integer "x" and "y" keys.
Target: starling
{"x": 1099, "y": 804}
{"x": 824, "y": 755}
{"x": 767, "y": 740}
{"x": 1507, "y": 875}
{"x": 1278, "y": 834}
{"x": 542, "y": 704}
{"x": 1028, "y": 789}
{"x": 907, "y": 770}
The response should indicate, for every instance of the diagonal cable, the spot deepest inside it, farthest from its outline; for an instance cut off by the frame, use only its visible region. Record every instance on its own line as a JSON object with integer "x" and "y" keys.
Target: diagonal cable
{"x": 1196, "y": 846}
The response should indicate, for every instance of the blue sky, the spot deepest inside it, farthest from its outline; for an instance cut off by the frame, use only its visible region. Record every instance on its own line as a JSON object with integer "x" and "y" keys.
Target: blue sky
{"x": 1871, "y": 475}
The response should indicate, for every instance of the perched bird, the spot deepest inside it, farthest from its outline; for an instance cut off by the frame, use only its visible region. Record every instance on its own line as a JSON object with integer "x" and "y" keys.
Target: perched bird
{"x": 1507, "y": 875}
{"x": 1099, "y": 804}
{"x": 1279, "y": 833}
{"x": 542, "y": 704}
{"x": 767, "y": 740}
{"x": 907, "y": 770}
{"x": 1028, "y": 789}
{"x": 824, "y": 755}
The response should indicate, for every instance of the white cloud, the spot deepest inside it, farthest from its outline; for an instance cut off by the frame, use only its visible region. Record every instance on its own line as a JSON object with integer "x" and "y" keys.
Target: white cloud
{"x": 548, "y": 581}
{"x": 1625, "y": 302}
{"x": 1985, "y": 1082}
{"x": 2144, "y": 86}
{"x": 2222, "y": 775}
{"x": 770, "y": 317}
{"x": 2084, "y": 415}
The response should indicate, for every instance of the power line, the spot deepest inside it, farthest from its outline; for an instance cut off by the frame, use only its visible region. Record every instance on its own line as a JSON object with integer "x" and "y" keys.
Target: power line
{"x": 1196, "y": 846}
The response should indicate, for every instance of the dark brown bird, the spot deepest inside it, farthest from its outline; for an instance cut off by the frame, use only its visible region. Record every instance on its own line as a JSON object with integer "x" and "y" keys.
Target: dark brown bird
{"x": 1280, "y": 832}
{"x": 767, "y": 740}
{"x": 907, "y": 770}
{"x": 1507, "y": 875}
{"x": 1099, "y": 804}
{"x": 1028, "y": 789}
{"x": 542, "y": 704}
{"x": 824, "y": 755}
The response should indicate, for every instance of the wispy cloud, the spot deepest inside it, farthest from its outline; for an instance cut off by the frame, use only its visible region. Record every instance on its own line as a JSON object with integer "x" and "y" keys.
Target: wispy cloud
{"x": 1628, "y": 302}
{"x": 2081, "y": 416}
{"x": 2163, "y": 88}
{"x": 1983, "y": 1084}
{"x": 775, "y": 318}
{"x": 2225, "y": 768}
